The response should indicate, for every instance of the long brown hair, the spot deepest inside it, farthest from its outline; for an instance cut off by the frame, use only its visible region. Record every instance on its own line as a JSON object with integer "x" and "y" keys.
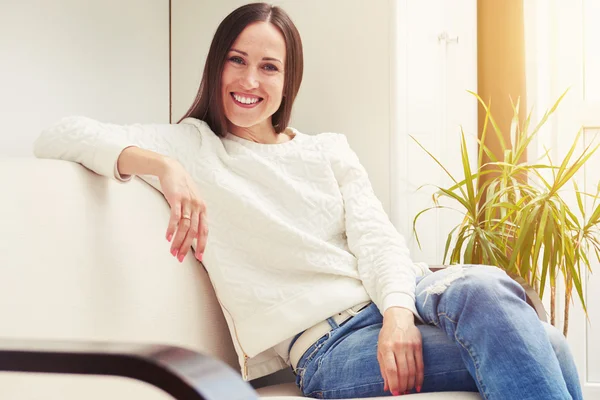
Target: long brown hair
{"x": 208, "y": 105}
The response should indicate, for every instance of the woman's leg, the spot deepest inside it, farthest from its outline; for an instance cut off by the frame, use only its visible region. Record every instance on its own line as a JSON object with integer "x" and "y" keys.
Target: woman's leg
{"x": 502, "y": 342}
{"x": 565, "y": 359}
{"x": 345, "y": 364}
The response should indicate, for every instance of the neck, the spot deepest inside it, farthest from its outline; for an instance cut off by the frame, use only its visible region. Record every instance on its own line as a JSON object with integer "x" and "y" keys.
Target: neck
{"x": 259, "y": 133}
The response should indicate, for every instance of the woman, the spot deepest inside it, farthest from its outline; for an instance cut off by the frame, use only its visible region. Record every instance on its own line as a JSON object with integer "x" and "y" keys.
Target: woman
{"x": 309, "y": 271}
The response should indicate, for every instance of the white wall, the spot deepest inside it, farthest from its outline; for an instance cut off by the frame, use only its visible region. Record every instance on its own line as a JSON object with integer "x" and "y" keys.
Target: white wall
{"x": 107, "y": 59}
{"x": 346, "y": 85}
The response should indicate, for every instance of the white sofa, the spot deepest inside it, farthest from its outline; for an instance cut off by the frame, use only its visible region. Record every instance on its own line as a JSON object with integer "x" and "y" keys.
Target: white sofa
{"x": 84, "y": 258}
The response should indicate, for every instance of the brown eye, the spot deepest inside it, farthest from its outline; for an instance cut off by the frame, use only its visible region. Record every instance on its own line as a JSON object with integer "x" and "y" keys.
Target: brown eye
{"x": 236, "y": 59}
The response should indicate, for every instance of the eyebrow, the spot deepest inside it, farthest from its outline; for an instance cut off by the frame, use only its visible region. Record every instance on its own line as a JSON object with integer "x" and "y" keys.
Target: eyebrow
{"x": 264, "y": 58}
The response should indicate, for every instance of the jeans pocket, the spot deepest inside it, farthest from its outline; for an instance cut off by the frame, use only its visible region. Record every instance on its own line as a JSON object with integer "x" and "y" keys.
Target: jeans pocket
{"x": 300, "y": 378}
{"x": 307, "y": 361}
{"x": 312, "y": 350}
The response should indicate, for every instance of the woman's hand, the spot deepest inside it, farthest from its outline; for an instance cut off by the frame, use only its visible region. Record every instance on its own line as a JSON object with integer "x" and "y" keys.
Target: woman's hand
{"x": 400, "y": 352}
{"x": 188, "y": 210}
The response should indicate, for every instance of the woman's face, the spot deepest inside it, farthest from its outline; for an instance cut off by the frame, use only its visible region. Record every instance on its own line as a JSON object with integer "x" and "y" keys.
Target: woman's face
{"x": 253, "y": 76}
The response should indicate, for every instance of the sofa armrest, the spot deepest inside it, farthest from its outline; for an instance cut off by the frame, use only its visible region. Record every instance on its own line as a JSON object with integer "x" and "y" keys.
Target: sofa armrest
{"x": 533, "y": 299}
{"x": 182, "y": 373}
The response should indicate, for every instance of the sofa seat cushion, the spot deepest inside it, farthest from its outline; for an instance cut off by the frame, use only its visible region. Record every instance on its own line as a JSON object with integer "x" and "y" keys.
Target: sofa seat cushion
{"x": 289, "y": 391}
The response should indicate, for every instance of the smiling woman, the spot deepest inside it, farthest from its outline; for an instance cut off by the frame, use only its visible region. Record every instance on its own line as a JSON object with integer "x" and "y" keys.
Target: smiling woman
{"x": 252, "y": 79}
{"x": 252, "y": 75}
{"x": 308, "y": 269}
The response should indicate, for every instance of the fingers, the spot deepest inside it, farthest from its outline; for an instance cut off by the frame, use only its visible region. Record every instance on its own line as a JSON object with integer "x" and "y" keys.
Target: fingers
{"x": 420, "y": 367}
{"x": 188, "y": 229}
{"x": 414, "y": 372}
{"x": 411, "y": 370}
{"x": 186, "y": 222}
{"x": 183, "y": 225}
{"x": 190, "y": 235}
{"x": 202, "y": 235}
{"x": 382, "y": 370}
{"x": 173, "y": 221}
{"x": 402, "y": 368}
{"x": 390, "y": 371}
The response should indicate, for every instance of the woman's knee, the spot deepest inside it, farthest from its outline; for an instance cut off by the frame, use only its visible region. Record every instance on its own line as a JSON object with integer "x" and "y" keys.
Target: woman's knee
{"x": 482, "y": 285}
{"x": 490, "y": 281}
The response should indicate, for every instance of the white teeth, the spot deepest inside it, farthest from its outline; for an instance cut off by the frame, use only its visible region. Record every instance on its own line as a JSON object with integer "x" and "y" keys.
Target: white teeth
{"x": 244, "y": 99}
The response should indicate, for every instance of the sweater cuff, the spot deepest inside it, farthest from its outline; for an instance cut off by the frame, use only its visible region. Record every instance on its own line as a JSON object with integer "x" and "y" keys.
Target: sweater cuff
{"x": 105, "y": 161}
{"x": 400, "y": 300}
{"x": 120, "y": 177}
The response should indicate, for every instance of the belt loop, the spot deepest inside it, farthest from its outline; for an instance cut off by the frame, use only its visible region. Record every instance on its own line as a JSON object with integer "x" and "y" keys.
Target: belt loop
{"x": 307, "y": 338}
{"x": 352, "y": 312}
{"x": 358, "y": 308}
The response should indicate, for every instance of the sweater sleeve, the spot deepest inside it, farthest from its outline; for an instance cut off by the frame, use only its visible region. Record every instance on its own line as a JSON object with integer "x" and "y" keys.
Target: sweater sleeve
{"x": 384, "y": 264}
{"x": 97, "y": 145}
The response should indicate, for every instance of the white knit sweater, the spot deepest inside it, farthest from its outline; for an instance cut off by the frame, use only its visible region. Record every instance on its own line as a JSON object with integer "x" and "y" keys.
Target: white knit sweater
{"x": 296, "y": 233}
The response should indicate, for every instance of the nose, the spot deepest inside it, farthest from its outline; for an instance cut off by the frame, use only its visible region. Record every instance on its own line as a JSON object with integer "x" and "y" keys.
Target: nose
{"x": 249, "y": 80}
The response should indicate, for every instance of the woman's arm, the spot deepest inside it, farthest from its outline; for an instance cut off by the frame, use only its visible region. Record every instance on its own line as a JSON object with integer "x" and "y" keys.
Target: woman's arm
{"x": 387, "y": 272}
{"x": 98, "y": 146}
{"x": 156, "y": 152}
{"x": 136, "y": 161}
{"x": 384, "y": 262}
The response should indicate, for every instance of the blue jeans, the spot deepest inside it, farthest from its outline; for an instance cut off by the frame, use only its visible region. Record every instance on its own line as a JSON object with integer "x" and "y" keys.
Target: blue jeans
{"x": 479, "y": 335}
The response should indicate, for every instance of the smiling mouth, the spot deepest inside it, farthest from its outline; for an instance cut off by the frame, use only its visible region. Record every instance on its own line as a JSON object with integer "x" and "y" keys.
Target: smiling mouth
{"x": 245, "y": 101}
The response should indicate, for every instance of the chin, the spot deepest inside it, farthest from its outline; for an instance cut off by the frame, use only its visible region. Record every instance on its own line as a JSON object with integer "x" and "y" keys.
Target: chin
{"x": 242, "y": 122}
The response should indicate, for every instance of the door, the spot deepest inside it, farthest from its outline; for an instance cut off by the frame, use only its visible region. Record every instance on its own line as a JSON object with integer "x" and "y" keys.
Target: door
{"x": 435, "y": 43}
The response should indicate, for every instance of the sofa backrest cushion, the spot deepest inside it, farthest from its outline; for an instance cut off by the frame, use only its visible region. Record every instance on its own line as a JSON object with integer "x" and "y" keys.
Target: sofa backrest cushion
{"x": 85, "y": 257}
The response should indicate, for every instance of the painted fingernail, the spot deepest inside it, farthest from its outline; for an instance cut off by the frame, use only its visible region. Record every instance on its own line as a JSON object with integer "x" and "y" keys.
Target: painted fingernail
{"x": 395, "y": 393}
{"x": 180, "y": 258}
{"x": 170, "y": 237}
{"x": 174, "y": 252}
{"x": 200, "y": 258}
{"x": 418, "y": 389}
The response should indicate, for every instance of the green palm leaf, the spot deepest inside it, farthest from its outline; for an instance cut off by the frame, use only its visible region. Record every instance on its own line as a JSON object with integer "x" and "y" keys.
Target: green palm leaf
{"x": 513, "y": 213}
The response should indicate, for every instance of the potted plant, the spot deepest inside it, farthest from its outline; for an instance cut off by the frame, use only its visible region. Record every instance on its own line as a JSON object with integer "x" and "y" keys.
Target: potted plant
{"x": 515, "y": 216}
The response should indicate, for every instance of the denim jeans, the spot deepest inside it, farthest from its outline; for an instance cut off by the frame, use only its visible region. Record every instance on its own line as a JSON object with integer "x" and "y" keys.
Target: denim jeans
{"x": 479, "y": 335}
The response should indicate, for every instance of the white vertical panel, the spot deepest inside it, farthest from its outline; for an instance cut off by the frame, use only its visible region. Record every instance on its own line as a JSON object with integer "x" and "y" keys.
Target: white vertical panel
{"x": 427, "y": 73}
{"x": 431, "y": 102}
{"x": 106, "y": 59}
{"x": 461, "y": 107}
